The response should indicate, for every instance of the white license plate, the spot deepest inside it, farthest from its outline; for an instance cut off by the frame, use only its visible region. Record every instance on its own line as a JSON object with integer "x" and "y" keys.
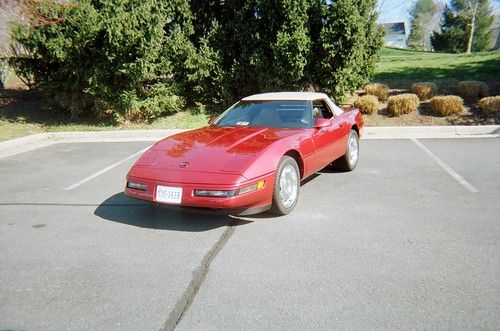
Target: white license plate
{"x": 168, "y": 194}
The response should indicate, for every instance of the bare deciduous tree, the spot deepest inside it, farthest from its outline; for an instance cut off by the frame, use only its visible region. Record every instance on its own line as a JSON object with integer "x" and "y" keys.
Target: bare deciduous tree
{"x": 469, "y": 14}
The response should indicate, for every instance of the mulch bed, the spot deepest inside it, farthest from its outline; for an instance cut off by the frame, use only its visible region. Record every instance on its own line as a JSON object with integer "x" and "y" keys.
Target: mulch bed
{"x": 425, "y": 117}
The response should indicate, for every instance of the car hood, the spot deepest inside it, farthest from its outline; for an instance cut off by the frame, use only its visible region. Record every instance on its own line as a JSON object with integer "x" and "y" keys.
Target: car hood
{"x": 213, "y": 149}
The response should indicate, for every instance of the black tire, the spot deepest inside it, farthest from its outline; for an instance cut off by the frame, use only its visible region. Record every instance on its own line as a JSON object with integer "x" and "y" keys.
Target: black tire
{"x": 347, "y": 162}
{"x": 280, "y": 207}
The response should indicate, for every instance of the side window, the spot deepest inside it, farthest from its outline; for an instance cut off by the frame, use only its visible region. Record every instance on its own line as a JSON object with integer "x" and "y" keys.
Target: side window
{"x": 321, "y": 109}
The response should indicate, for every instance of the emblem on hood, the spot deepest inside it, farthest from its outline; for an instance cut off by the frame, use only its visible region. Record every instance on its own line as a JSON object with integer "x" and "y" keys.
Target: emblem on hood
{"x": 184, "y": 164}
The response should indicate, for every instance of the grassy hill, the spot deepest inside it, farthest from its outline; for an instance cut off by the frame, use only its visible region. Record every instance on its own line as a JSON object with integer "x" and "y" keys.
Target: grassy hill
{"x": 400, "y": 68}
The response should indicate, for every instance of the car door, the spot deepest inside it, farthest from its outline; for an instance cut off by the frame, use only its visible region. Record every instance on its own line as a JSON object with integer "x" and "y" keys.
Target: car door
{"x": 342, "y": 129}
{"x": 328, "y": 141}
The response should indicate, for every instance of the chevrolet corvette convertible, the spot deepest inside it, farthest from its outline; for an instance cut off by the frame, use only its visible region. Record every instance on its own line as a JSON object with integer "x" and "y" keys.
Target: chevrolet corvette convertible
{"x": 251, "y": 158}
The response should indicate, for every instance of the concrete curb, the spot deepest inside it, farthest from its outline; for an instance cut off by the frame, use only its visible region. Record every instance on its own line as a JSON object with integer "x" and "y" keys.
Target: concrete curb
{"x": 405, "y": 132}
{"x": 29, "y": 143}
{"x": 39, "y": 140}
{"x": 112, "y": 136}
{"x": 24, "y": 144}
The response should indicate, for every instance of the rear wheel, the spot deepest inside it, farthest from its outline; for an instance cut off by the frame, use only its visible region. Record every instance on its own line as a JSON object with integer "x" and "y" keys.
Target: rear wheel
{"x": 350, "y": 159}
{"x": 286, "y": 186}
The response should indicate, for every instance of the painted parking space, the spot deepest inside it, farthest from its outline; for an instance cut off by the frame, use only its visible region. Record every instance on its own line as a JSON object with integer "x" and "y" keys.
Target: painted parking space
{"x": 397, "y": 243}
{"x": 476, "y": 159}
{"x": 42, "y": 174}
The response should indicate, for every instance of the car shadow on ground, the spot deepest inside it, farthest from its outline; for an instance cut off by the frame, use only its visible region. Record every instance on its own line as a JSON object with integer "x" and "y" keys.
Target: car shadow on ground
{"x": 332, "y": 169}
{"x": 267, "y": 215}
{"x": 122, "y": 209}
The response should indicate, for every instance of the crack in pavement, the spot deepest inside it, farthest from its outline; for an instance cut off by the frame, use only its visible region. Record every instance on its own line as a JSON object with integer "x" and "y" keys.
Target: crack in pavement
{"x": 199, "y": 274}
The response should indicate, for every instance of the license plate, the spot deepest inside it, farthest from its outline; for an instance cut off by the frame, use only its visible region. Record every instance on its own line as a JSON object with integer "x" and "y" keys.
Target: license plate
{"x": 168, "y": 194}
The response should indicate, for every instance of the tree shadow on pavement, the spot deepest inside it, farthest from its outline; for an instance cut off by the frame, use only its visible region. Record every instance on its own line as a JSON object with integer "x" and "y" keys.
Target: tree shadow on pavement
{"x": 122, "y": 209}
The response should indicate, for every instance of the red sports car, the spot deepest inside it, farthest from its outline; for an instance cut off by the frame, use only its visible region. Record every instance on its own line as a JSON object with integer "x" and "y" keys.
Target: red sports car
{"x": 252, "y": 157}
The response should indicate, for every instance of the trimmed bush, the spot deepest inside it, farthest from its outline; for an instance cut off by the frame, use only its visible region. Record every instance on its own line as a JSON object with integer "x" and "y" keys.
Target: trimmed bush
{"x": 472, "y": 90}
{"x": 402, "y": 104}
{"x": 490, "y": 105}
{"x": 447, "y": 105}
{"x": 379, "y": 90}
{"x": 368, "y": 104}
{"x": 424, "y": 90}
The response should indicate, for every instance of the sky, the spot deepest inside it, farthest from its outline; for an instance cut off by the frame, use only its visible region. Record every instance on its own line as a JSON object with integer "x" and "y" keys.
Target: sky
{"x": 397, "y": 10}
{"x": 393, "y": 10}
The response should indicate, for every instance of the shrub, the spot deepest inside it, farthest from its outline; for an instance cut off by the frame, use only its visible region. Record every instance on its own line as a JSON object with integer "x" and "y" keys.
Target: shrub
{"x": 103, "y": 56}
{"x": 151, "y": 103}
{"x": 402, "y": 104}
{"x": 447, "y": 105}
{"x": 424, "y": 90}
{"x": 93, "y": 56}
{"x": 472, "y": 90}
{"x": 345, "y": 42}
{"x": 379, "y": 90}
{"x": 490, "y": 105}
{"x": 368, "y": 104}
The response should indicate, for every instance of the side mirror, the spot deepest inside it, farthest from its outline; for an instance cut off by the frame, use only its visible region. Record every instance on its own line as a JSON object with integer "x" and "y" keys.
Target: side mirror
{"x": 322, "y": 123}
{"x": 212, "y": 119}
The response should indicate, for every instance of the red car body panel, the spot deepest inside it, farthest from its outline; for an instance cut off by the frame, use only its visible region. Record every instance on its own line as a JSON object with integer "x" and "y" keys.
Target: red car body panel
{"x": 229, "y": 158}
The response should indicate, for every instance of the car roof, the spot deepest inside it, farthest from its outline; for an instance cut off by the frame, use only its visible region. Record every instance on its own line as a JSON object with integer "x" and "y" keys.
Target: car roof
{"x": 308, "y": 96}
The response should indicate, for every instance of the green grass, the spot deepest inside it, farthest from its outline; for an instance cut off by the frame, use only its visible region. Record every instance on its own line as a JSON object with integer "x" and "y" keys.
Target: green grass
{"x": 20, "y": 116}
{"x": 184, "y": 120}
{"x": 400, "y": 68}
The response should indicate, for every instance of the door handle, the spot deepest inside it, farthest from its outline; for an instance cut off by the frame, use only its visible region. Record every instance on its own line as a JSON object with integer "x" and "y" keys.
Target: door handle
{"x": 341, "y": 125}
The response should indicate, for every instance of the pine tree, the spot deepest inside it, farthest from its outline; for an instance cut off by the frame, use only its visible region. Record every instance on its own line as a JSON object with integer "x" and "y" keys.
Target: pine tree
{"x": 144, "y": 58}
{"x": 465, "y": 27}
{"x": 106, "y": 55}
{"x": 423, "y": 17}
{"x": 349, "y": 42}
{"x": 269, "y": 45}
{"x": 292, "y": 46}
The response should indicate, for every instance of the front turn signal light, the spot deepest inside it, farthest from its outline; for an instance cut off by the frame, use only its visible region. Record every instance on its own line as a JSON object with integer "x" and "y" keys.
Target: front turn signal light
{"x": 254, "y": 187}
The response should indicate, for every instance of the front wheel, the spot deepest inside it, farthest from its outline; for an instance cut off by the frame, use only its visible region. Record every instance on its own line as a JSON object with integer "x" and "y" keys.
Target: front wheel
{"x": 286, "y": 186}
{"x": 350, "y": 159}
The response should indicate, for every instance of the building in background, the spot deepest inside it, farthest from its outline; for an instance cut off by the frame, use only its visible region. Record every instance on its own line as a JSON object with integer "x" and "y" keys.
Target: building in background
{"x": 395, "y": 34}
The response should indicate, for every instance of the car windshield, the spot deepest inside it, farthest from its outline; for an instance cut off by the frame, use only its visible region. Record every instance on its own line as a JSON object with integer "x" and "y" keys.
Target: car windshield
{"x": 269, "y": 114}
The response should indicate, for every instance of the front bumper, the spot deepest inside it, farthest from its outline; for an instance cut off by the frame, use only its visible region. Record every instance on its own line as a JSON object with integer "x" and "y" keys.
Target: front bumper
{"x": 258, "y": 200}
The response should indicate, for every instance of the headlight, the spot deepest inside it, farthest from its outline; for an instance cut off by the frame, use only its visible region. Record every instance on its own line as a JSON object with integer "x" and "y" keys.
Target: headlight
{"x": 214, "y": 193}
{"x": 231, "y": 193}
{"x": 137, "y": 186}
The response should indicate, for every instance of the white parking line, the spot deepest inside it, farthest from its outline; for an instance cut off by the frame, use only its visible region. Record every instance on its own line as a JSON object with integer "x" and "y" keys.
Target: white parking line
{"x": 446, "y": 167}
{"x": 108, "y": 168}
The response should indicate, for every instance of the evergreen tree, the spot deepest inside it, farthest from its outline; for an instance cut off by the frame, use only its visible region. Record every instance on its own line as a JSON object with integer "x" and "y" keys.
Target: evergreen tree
{"x": 292, "y": 46}
{"x": 105, "y": 55}
{"x": 423, "y": 13}
{"x": 465, "y": 27}
{"x": 349, "y": 41}
{"x": 269, "y": 45}
{"x": 263, "y": 44}
{"x": 144, "y": 58}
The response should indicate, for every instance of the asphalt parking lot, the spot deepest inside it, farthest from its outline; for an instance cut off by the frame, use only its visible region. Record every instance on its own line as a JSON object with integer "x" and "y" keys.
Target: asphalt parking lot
{"x": 410, "y": 239}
